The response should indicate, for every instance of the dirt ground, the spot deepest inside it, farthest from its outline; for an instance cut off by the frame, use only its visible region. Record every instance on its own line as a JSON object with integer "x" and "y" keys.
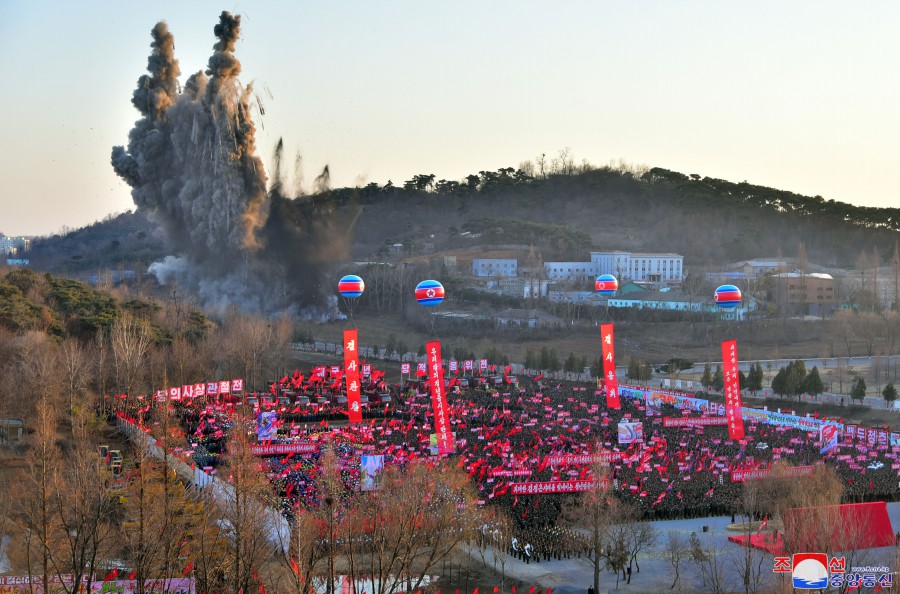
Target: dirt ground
{"x": 653, "y": 342}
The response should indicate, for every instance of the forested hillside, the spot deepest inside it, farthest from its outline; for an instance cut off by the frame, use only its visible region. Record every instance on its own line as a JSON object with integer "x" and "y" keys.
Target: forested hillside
{"x": 709, "y": 221}
{"x": 562, "y": 214}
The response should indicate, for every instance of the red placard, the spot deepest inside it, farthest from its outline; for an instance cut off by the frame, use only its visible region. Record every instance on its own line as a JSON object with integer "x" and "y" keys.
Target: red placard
{"x": 280, "y": 449}
{"x": 436, "y": 381}
{"x": 733, "y": 405}
{"x": 694, "y": 421}
{"x": 582, "y": 459}
{"x": 609, "y": 367}
{"x": 351, "y": 370}
{"x": 739, "y": 476}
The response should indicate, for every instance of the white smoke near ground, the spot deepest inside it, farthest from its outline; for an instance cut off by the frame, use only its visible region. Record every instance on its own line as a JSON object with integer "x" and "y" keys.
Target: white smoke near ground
{"x": 192, "y": 166}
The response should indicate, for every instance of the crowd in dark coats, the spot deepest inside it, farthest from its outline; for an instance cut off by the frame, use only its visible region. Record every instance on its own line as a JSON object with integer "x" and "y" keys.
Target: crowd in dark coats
{"x": 508, "y": 436}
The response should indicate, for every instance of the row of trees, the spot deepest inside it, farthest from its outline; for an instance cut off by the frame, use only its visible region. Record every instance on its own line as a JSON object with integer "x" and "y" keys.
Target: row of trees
{"x": 752, "y": 381}
{"x": 793, "y": 380}
{"x": 144, "y": 349}
{"x": 71, "y": 515}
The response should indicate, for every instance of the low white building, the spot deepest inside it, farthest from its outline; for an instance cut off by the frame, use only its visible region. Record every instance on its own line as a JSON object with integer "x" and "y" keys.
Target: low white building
{"x": 526, "y": 288}
{"x": 496, "y": 267}
{"x": 570, "y": 271}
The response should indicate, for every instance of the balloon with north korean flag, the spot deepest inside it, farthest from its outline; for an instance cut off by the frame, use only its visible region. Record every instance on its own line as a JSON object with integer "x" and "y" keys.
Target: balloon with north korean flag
{"x": 429, "y": 293}
{"x": 606, "y": 285}
{"x": 351, "y": 286}
{"x": 728, "y": 296}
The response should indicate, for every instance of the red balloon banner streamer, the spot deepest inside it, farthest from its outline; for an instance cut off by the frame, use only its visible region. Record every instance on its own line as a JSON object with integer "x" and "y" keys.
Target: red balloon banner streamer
{"x": 351, "y": 374}
{"x": 436, "y": 381}
{"x": 733, "y": 403}
{"x": 609, "y": 367}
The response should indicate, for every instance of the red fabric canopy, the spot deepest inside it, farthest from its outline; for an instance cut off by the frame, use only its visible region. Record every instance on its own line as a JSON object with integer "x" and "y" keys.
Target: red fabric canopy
{"x": 846, "y": 527}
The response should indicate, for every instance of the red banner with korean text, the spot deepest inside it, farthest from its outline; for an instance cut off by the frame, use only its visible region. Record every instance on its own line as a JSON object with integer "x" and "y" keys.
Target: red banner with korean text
{"x": 550, "y": 487}
{"x": 351, "y": 375}
{"x": 438, "y": 402}
{"x": 733, "y": 404}
{"x": 609, "y": 367}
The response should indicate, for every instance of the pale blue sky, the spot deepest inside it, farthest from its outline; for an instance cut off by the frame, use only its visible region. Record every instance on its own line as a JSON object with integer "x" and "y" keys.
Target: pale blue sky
{"x": 801, "y": 96}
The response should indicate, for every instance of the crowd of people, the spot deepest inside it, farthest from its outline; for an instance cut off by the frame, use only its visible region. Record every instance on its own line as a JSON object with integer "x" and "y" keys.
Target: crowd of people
{"x": 507, "y": 435}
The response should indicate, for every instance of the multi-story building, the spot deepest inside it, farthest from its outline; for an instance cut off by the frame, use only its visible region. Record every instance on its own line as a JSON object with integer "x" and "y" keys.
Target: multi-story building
{"x": 659, "y": 268}
{"x": 12, "y": 246}
{"x": 570, "y": 271}
{"x": 495, "y": 267}
{"x": 804, "y": 294}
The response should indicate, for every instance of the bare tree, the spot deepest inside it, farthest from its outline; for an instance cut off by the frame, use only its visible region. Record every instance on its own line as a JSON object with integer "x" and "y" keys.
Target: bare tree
{"x": 209, "y": 545}
{"x": 244, "y": 512}
{"x": 130, "y": 341}
{"x": 303, "y": 553}
{"x": 162, "y": 522}
{"x": 416, "y": 518}
{"x": 36, "y": 369}
{"x": 35, "y": 495}
{"x": 246, "y": 345}
{"x": 101, "y": 360}
{"x": 76, "y": 366}
{"x": 639, "y": 536}
{"x": 711, "y": 563}
{"x": 83, "y": 505}
{"x": 676, "y": 552}
{"x": 750, "y": 565}
{"x": 593, "y": 513}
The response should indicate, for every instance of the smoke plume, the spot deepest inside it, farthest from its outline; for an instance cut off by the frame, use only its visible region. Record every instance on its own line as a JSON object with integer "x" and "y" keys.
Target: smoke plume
{"x": 192, "y": 166}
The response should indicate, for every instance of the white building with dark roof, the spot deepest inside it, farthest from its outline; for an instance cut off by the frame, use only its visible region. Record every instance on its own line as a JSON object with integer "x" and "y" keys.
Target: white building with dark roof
{"x": 660, "y": 268}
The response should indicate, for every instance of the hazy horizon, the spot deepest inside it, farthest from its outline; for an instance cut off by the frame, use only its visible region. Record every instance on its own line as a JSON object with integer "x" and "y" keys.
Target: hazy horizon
{"x": 798, "y": 97}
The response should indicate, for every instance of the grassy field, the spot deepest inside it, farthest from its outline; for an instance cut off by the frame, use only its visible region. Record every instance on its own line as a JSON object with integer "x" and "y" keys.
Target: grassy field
{"x": 655, "y": 343}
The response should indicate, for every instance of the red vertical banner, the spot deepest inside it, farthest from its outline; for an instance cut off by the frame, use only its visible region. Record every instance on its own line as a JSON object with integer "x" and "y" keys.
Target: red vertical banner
{"x": 436, "y": 381}
{"x": 351, "y": 375}
{"x": 609, "y": 367}
{"x": 732, "y": 390}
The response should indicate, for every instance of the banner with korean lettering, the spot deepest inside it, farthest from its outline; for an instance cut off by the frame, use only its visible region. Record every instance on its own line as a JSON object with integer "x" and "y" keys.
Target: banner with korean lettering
{"x": 550, "y": 487}
{"x": 441, "y": 412}
{"x": 733, "y": 403}
{"x": 609, "y": 367}
{"x": 351, "y": 372}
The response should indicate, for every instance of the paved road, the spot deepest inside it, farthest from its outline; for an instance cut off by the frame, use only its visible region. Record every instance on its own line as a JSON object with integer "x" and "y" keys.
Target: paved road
{"x": 572, "y": 576}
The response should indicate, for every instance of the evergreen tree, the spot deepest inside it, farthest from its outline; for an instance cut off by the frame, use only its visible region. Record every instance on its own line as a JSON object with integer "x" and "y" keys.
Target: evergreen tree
{"x": 706, "y": 378}
{"x": 858, "y": 391}
{"x": 778, "y": 382}
{"x": 582, "y": 364}
{"x": 646, "y": 371}
{"x": 793, "y": 380}
{"x": 889, "y": 393}
{"x": 544, "y": 361}
{"x": 813, "y": 383}
{"x": 634, "y": 370}
{"x": 531, "y": 362}
{"x": 755, "y": 378}
{"x": 718, "y": 380}
{"x": 571, "y": 362}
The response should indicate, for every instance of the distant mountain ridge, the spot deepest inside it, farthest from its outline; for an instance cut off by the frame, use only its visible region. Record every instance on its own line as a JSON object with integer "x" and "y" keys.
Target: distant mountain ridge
{"x": 709, "y": 221}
